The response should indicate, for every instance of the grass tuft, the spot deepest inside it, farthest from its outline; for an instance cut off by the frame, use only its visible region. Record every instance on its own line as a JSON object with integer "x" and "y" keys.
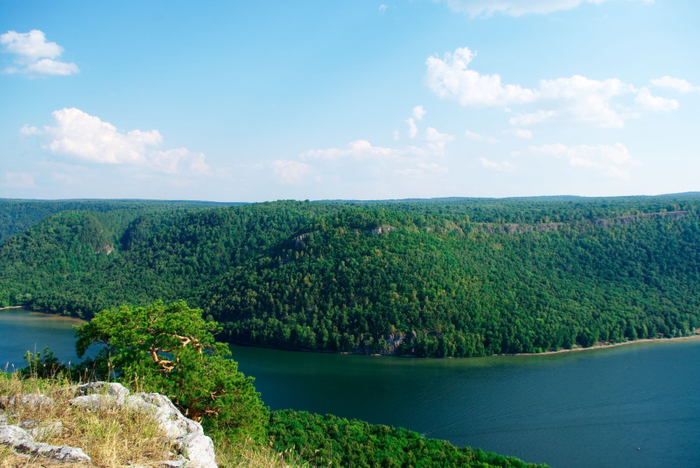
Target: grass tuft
{"x": 112, "y": 438}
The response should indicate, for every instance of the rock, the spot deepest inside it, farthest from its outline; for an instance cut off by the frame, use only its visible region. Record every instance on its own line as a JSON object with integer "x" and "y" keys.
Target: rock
{"x": 21, "y": 441}
{"x": 118, "y": 391}
{"x": 33, "y": 400}
{"x": 195, "y": 449}
{"x": 42, "y": 429}
{"x": 96, "y": 402}
{"x": 14, "y": 436}
{"x": 200, "y": 451}
{"x": 171, "y": 420}
{"x": 179, "y": 462}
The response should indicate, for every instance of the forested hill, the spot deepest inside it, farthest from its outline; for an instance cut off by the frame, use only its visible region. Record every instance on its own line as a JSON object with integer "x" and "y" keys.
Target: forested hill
{"x": 18, "y": 215}
{"x": 451, "y": 277}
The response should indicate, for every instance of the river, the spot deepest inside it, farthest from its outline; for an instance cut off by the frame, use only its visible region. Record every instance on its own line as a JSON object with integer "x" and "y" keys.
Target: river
{"x": 636, "y": 405}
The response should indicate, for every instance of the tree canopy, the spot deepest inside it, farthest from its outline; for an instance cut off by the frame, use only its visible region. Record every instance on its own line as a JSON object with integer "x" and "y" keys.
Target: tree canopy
{"x": 170, "y": 349}
{"x": 452, "y": 277}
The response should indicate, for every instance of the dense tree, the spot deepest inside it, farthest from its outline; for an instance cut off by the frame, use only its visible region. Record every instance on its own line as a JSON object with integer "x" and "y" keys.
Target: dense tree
{"x": 452, "y": 277}
{"x": 334, "y": 441}
{"x": 171, "y": 349}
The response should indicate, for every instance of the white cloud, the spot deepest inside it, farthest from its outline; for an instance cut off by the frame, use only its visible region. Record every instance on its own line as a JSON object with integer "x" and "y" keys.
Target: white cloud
{"x": 291, "y": 172}
{"x": 676, "y": 84}
{"x": 655, "y": 103}
{"x": 577, "y": 98}
{"x": 396, "y": 134}
{"x": 199, "y": 165}
{"x": 503, "y": 166}
{"x": 515, "y": 7}
{"x": 523, "y": 133}
{"x": 479, "y": 137}
{"x": 450, "y": 78}
{"x": 437, "y": 140}
{"x": 412, "y": 129}
{"x": 357, "y": 150}
{"x": 34, "y": 55}
{"x": 382, "y": 8}
{"x": 421, "y": 170}
{"x": 20, "y": 179}
{"x": 613, "y": 161}
{"x": 524, "y": 120}
{"x": 418, "y": 112}
{"x": 87, "y": 138}
{"x": 375, "y": 165}
{"x": 51, "y": 67}
{"x": 587, "y": 100}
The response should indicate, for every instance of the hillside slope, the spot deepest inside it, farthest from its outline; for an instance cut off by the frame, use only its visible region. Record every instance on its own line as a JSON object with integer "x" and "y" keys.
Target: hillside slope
{"x": 426, "y": 278}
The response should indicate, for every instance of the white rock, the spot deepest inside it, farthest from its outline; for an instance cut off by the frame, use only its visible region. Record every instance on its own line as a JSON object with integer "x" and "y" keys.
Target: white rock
{"x": 22, "y": 442}
{"x": 200, "y": 451}
{"x": 95, "y": 402}
{"x": 196, "y": 449}
{"x": 34, "y": 400}
{"x": 116, "y": 390}
{"x": 42, "y": 429}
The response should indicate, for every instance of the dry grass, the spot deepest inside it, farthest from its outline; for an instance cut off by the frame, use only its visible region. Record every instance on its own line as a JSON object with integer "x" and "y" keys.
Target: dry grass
{"x": 112, "y": 438}
{"x": 116, "y": 438}
{"x": 250, "y": 454}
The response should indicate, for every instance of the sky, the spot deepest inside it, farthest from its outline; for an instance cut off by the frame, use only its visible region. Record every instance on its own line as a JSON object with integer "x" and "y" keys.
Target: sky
{"x": 258, "y": 101}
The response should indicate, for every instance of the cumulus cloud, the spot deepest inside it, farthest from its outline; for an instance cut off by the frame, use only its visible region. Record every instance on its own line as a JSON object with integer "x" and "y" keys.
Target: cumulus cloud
{"x": 577, "y": 98}
{"x": 676, "y": 84}
{"x": 478, "y": 137}
{"x": 357, "y": 150}
{"x": 291, "y": 172}
{"x": 451, "y": 78}
{"x": 476, "y": 8}
{"x": 418, "y": 112}
{"x": 85, "y": 137}
{"x": 34, "y": 55}
{"x": 655, "y": 103}
{"x": 20, "y": 179}
{"x": 587, "y": 100}
{"x": 437, "y": 140}
{"x": 612, "y": 160}
{"x": 370, "y": 162}
{"x": 421, "y": 170}
{"x": 524, "y": 120}
{"x": 523, "y": 133}
{"x": 503, "y": 166}
{"x": 412, "y": 128}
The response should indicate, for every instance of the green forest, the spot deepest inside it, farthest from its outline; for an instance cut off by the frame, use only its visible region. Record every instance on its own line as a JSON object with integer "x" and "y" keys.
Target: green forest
{"x": 442, "y": 277}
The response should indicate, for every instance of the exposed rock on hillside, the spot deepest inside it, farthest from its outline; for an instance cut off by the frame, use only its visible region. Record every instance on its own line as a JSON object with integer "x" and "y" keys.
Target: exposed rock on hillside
{"x": 194, "y": 449}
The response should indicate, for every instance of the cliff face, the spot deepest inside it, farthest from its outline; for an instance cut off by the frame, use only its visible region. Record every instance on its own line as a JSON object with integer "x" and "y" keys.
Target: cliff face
{"x": 190, "y": 448}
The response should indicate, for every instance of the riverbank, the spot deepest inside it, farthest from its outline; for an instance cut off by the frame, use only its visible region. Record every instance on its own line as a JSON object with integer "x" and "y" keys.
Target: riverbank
{"x": 600, "y": 345}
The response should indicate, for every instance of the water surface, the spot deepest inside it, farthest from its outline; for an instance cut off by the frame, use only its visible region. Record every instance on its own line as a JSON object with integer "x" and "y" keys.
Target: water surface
{"x": 22, "y": 331}
{"x": 636, "y": 405}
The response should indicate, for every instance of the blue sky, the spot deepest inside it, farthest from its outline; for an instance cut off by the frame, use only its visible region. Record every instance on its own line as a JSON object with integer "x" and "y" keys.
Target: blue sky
{"x": 254, "y": 101}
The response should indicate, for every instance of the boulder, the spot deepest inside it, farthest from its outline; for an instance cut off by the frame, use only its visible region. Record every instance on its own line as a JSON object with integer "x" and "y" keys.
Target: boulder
{"x": 21, "y": 441}
{"x": 195, "y": 450}
{"x": 34, "y": 400}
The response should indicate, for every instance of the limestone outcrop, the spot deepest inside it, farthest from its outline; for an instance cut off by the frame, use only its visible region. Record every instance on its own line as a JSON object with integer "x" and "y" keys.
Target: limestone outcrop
{"x": 194, "y": 449}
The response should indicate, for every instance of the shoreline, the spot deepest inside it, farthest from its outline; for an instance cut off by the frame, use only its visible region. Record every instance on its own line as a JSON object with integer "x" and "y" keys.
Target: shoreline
{"x": 695, "y": 336}
{"x": 599, "y": 345}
